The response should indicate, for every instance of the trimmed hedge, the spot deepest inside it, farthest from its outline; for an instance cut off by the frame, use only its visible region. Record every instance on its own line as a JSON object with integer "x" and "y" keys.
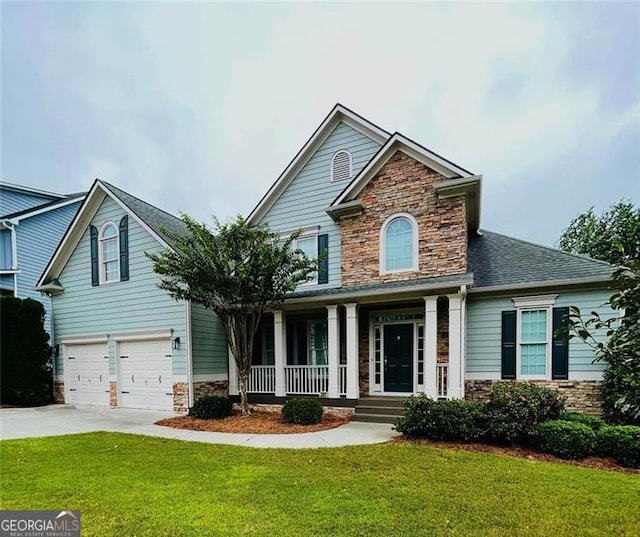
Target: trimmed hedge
{"x": 211, "y": 407}
{"x": 302, "y": 411}
{"x": 566, "y": 439}
{"x": 621, "y": 443}
{"x": 590, "y": 421}
{"x": 441, "y": 420}
{"x": 515, "y": 409}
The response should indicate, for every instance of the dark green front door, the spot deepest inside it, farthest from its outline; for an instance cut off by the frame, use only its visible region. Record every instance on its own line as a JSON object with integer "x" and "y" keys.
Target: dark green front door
{"x": 398, "y": 358}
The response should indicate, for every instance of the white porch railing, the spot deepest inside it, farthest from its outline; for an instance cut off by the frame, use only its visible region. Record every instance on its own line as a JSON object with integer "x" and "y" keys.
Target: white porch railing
{"x": 442, "y": 371}
{"x": 262, "y": 379}
{"x": 342, "y": 379}
{"x": 307, "y": 379}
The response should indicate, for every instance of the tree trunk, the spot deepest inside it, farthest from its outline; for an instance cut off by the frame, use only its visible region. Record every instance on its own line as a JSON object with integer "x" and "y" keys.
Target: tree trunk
{"x": 244, "y": 399}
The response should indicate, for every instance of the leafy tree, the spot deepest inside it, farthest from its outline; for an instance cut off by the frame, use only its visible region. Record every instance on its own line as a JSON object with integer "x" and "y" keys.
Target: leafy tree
{"x": 26, "y": 369}
{"x": 613, "y": 237}
{"x": 236, "y": 271}
{"x": 621, "y": 351}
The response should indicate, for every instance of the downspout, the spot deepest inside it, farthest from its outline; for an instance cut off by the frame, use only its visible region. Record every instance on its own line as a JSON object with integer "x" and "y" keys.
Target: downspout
{"x": 463, "y": 338}
{"x": 187, "y": 313}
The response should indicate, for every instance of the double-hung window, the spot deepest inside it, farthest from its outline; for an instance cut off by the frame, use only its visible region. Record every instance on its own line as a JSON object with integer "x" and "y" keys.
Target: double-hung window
{"x": 318, "y": 343}
{"x": 109, "y": 254}
{"x": 308, "y": 244}
{"x": 534, "y": 336}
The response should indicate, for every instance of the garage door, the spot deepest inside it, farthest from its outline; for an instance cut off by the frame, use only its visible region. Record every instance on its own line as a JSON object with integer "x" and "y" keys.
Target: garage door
{"x": 146, "y": 374}
{"x": 87, "y": 368}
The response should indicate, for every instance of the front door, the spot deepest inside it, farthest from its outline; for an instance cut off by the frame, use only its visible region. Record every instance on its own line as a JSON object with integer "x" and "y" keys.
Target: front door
{"x": 398, "y": 358}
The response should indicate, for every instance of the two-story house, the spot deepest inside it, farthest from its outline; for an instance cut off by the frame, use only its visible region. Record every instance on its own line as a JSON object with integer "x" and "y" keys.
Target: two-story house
{"x": 410, "y": 296}
{"x": 32, "y": 222}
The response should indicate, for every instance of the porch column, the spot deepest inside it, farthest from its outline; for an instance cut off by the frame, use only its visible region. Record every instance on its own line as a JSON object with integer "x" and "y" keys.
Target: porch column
{"x": 279, "y": 348}
{"x": 430, "y": 346}
{"x": 353, "y": 372}
{"x": 455, "y": 389}
{"x": 333, "y": 350}
{"x": 233, "y": 374}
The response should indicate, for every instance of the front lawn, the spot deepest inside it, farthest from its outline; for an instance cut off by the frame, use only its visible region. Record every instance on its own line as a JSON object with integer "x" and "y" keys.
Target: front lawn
{"x": 135, "y": 485}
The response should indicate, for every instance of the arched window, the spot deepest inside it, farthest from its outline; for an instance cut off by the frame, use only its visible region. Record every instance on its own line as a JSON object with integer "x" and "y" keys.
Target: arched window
{"x": 399, "y": 244}
{"x": 109, "y": 252}
{"x": 341, "y": 165}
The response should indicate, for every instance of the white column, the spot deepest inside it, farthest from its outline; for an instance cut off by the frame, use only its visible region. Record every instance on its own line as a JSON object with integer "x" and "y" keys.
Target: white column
{"x": 353, "y": 371}
{"x": 279, "y": 347}
{"x": 333, "y": 350}
{"x": 430, "y": 346}
{"x": 233, "y": 374}
{"x": 454, "y": 390}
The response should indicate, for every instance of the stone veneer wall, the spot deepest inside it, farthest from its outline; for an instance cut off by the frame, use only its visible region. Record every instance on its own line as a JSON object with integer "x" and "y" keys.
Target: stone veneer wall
{"x": 113, "y": 394}
{"x": 210, "y": 387}
{"x": 181, "y": 397}
{"x": 405, "y": 185}
{"x": 582, "y": 395}
{"x": 58, "y": 393}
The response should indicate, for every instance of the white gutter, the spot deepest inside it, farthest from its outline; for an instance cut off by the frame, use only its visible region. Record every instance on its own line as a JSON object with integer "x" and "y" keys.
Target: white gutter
{"x": 548, "y": 283}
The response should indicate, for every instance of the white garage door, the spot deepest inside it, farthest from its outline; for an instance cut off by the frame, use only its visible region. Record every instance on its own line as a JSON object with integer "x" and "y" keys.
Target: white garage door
{"x": 87, "y": 368}
{"x": 145, "y": 374}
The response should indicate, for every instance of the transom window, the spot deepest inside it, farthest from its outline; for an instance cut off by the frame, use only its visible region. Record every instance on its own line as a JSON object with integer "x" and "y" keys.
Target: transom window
{"x": 399, "y": 248}
{"x": 341, "y": 165}
{"x": 109, "y": 254}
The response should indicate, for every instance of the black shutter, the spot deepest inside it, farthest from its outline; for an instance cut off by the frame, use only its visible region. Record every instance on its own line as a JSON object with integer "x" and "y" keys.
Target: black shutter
{"x": 124, "y": 249}
{"x": 509, "y": 344}
{"x": 95, "y": 273}
{"x": 560, "y": 348}
{"x": 323, "y": 258}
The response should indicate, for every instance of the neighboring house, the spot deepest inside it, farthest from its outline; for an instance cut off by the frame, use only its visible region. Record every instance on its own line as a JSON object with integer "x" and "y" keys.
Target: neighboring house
{"x": 119, "y": 339}
{"x": 412, "y": 296}
{"x": 31, "y": 224}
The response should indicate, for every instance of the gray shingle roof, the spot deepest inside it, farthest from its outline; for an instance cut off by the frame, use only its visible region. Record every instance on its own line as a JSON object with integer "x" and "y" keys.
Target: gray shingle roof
{"x": 496, "y": 259}
{"x": 152, "y": 216}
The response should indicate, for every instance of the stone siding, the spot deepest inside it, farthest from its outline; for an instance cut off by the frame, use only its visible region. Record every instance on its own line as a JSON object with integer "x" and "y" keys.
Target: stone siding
{"x": 181, "y": 397}
{"x": 405, "y": 185}
{"x": 113, "y": 394}
{"x": 582, "y": 395}
{"x": 58, "y": 392}
{"x": 264, "y": 407}
{"x": 210, "y": 387}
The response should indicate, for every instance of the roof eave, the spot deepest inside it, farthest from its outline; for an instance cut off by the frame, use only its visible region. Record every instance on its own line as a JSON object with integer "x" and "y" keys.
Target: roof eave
{"x": 345, "y": 210}
{"x": 471, "y": 188}
{"x": 574, "y": 282}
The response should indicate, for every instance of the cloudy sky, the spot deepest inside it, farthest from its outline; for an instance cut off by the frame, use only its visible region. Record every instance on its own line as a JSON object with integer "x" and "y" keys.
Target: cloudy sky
{"x": 199, "y": 107}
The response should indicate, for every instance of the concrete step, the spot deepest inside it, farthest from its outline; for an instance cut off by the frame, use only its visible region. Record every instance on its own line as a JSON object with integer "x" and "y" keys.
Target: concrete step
{"x": 374, "y": 409}
{"x": 374, "y": 418}
{"x": 381, "y": 401}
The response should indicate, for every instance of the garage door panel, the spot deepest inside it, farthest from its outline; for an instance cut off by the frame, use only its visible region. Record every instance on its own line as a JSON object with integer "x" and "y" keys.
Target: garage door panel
{"x": 88, "y": 374}
{"x": 146, "y": 374}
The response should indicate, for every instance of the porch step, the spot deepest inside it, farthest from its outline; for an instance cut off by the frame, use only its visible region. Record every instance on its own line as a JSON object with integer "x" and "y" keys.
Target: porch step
{"x": 378, "y": 409}
{"x": 374, "y": 418}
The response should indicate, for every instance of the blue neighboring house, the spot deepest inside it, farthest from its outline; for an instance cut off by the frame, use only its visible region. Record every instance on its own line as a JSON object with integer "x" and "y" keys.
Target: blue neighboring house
{"x": 32, "y": 223}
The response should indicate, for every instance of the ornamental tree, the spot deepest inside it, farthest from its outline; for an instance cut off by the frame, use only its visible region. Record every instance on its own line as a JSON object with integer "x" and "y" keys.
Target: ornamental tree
{"x": 237, "y": 271}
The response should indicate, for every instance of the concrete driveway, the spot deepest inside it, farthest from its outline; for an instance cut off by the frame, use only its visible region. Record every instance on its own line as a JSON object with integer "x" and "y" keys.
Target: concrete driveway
{"x": 57, "y": 420}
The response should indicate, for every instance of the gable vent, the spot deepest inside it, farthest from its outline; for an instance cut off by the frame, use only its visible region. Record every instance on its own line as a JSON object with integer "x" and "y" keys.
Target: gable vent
{"x": 341, "y": 166}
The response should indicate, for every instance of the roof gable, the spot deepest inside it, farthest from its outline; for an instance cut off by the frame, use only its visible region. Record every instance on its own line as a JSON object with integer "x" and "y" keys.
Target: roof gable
{"x": 149, "y": 217}
{"x": 338, "y": 114}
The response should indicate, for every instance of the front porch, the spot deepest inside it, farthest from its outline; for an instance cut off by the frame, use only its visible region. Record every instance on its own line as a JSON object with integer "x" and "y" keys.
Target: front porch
{"x": 341, "y": 352}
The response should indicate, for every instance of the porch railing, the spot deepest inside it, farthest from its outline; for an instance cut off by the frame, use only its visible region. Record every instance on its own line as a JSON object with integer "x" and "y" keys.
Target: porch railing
{"x": 262, "y": 379}
{"x": 307, "y": 379}
{"x": 442, "y": 372}
{"x": 342, "y": 379}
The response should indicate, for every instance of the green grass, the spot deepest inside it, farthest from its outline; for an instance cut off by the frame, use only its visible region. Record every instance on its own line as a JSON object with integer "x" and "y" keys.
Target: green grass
{"x": 129, "y": 485}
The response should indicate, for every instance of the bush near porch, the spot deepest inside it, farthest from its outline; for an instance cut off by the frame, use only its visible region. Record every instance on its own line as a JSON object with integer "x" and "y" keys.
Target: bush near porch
{"x": 521, "y": 414}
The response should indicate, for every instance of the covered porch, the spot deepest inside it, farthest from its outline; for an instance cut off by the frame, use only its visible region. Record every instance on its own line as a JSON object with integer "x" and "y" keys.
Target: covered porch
{"x": 395, "y": 345}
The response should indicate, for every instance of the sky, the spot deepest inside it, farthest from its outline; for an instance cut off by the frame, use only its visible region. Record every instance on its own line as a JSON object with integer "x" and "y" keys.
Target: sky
{"x": 198, "y": 107}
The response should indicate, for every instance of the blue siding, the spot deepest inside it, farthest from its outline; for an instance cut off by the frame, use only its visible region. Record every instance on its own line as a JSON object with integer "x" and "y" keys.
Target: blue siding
{"x": 484, "y": 331}
{"x": 37, "y": 238}
{"x": 209, "y": 343}
{"x": 304, "y": 202}
{"x": 132, "y": 306}
{"x": 6, "y": 282}
{"x": 12, "y": 201}
{"x": 5, "y": 249}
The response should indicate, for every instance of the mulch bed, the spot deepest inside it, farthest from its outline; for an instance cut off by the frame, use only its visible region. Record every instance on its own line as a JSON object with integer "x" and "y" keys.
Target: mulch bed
{"x": 256, "y": 423}
{"x": 521, "y": 453}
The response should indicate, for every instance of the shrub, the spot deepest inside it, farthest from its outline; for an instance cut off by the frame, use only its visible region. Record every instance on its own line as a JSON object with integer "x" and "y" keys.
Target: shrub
{"x": 615, "y": 384}
{"x": 302, "y": 411}
{"x": 566, "y": 439}
{"x": 441, "y": 420}
{"x": 621, "y": 443}
{"x": 515, "y": 409}
{"x": 211, "y": 407}
{"x": 26, "y": 368}
{"x": 590, "y": 421}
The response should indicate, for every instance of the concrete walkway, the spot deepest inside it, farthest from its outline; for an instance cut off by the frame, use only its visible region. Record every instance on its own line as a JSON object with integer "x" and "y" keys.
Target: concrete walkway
{"x": 66, "y": 419}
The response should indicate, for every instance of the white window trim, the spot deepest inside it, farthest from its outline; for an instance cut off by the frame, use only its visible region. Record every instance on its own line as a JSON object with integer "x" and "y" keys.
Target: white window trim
{"x": 383, "y": 244}
{"x": 534, "y": 303}
{"x": 101, "y": 271}
{"x": 333, "y": 158}
{"x": 304, "y": 236}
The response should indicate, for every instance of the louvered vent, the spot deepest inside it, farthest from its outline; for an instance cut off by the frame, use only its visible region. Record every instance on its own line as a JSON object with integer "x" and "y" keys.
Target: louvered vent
{"x": 341, "y": 166}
